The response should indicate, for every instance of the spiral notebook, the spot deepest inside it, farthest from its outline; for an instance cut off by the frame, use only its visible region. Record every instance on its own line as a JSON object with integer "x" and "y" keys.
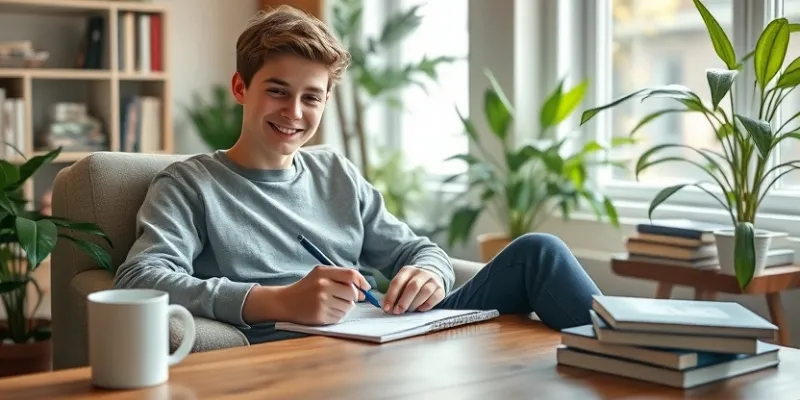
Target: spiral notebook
{"x": 367, "y": 323}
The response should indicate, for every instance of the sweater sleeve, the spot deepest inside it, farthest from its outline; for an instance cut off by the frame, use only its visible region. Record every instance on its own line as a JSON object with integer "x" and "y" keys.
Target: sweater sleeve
{"x": 390, "y": 244}
{"x": 170, "y": 232}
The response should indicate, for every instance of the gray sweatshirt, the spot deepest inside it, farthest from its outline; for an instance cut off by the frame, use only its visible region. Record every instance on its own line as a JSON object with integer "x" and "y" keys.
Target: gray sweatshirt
{"x": 209, "y": 230}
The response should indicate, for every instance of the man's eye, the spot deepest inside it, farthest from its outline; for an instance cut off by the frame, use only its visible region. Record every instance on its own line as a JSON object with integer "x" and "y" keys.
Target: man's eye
{"x": 313, "y": 99}
{"x": 275, "y": 91}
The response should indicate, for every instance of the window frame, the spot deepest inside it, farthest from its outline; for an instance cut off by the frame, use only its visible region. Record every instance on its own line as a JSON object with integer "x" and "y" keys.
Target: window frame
{"x": 633, "y": 198}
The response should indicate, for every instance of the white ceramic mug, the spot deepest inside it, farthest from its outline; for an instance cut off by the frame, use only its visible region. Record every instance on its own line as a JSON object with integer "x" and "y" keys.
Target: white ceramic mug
{"x": 129, "y": 337}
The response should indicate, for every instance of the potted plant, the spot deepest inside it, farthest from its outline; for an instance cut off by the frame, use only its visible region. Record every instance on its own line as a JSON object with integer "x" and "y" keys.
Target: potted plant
{"x": 27, "y": 238}
{"x": 526, "y": 184}
{"x": 218, "y": 121}
{"x": 740, "y": 177}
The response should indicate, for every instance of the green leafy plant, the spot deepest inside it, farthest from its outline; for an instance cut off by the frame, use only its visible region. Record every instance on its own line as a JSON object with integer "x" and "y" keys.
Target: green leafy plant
{"x": 400, "y": 185}
{"x": 26, "y": 239}
{"x": 530, "y": 182}
{"x": 371, "y": 79}
{"x": 740, "y": 172}
{"x": 218, "y": 121}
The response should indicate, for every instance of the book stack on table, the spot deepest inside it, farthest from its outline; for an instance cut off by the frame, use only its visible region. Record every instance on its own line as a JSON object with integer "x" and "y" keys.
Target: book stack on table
{"x": 678, "y": 343}
{"x": 687, "y": 243}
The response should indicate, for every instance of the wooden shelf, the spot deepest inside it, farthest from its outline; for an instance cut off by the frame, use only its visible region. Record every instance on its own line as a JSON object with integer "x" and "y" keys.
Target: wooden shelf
{"x": 59, "y": 27}
{"x": 55, "y": 73}
{"x": 79, "y": 74}
{"x": 33, "y": 6}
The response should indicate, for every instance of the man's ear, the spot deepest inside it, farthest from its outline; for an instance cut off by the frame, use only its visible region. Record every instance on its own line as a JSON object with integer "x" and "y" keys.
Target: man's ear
{"x": 238, "y": 88}
{"x": 328, "y": 96}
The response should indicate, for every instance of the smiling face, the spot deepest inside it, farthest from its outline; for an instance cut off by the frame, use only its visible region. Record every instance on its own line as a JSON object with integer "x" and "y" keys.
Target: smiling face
{"x": 283, "y": 107}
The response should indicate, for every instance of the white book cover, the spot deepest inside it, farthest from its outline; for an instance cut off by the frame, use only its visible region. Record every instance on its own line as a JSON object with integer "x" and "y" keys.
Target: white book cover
{"x": 144, "y": 43}
{"x": 699, "y": 317}
{"x": 19, "y": 129}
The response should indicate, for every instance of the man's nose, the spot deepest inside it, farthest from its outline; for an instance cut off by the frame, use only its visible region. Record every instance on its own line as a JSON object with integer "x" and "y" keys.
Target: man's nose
{"x": 293, "y": 110}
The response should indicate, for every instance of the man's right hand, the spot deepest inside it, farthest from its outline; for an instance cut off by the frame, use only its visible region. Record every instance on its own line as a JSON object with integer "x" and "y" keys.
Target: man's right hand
{"x": 322, "y": 297}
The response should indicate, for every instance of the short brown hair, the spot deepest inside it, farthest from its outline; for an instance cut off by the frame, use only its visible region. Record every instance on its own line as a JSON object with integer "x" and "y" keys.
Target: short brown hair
{"x": 287, "y": 30}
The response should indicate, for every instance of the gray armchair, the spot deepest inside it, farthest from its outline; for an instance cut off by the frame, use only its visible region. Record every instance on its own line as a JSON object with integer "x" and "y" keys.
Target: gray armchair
{"x": 107, "y": 188}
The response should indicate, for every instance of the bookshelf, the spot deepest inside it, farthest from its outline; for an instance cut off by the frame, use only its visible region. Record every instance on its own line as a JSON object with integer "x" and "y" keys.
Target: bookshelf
{"x": 128, "y": 63}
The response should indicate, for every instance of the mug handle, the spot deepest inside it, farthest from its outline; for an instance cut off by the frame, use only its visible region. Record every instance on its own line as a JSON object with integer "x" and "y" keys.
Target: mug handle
{"x": 187, "y": 341}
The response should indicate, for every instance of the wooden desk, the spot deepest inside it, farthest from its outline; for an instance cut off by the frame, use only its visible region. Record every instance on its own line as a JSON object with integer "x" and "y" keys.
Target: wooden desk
{"x": 510, "y": 357}
{"x": 707, "y": 283}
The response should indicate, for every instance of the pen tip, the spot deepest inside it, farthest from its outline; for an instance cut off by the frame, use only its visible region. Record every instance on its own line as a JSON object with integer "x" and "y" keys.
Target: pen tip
{"x": 299, "y": 237}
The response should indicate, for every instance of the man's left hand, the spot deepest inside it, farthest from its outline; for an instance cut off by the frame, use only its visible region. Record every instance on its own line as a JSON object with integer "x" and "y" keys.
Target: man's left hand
{"x": 413, "y": 289}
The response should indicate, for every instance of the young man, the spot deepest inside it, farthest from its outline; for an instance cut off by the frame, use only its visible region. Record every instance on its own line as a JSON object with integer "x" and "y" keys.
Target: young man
{"x": 218, "y": 231}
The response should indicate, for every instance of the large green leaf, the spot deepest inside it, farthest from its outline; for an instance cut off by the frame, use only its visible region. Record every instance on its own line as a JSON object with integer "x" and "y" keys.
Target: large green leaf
{"x": 611, "y": 211}
{"x": 399, "y": 25}
{"x": 722, "y": 45}
{"x": 497, "y": 115}
{"x": 590, "y": 113}
{"x": 569, "y": 101}
{"x": 760, "y": 131}
{"x": 30, "y": 167}
{"x": 428, "y": 65}
{"x": 516, "y": 159}
{"x": 550, "y": 107}
{"x": 37, "y": 238}
{"x": 744, "y": 253}
{"x": 500, "y": 92}
{"x": 93, "y": 250}
{"x": 652, "y": 116}
{"x": 790, "y": 77}
{"x": 469, "y": 127}
{"x": 461, "y": 224}
{"x": 720, "y": 82}
{"x": 86, "y": 227}
{"x": 678, "y": 92}
{"x": 9, "y": 174}
{"x": 771, "y": 50}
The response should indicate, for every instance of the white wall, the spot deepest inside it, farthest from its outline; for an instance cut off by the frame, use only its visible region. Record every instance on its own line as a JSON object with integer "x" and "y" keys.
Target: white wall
{"x": 203, "y": 37}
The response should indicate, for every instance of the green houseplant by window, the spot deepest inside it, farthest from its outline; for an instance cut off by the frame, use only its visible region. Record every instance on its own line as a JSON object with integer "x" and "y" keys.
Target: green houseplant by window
{"x": 740, "y": 176}
{"x": 27, "y": 238}
{"x": 525, "y": 185}
{"x": 219, "y": 120}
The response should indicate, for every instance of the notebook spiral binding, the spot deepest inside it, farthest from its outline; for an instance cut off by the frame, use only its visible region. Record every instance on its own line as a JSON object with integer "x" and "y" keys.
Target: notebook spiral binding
{"x": 463, "y": 319}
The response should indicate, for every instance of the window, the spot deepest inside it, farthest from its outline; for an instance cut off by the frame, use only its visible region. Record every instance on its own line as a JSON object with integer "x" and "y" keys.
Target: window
{"x": 658, "y": 42}
{"x": 428, "y": 128}
{"x": 790, "y": 150}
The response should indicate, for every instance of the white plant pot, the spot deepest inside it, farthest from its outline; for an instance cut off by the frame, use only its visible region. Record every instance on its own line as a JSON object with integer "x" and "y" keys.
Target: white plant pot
{"x": 725, "y": 242}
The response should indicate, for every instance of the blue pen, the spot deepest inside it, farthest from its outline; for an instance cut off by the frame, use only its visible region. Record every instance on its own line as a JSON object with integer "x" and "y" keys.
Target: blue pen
{"x": 326, "y": 261}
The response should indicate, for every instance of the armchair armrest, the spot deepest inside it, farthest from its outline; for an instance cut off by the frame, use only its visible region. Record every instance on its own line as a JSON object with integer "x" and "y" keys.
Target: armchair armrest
{"x": 95, "y": 280}
{"x": 464, "y": 270}
{"x": 209, "y": 334}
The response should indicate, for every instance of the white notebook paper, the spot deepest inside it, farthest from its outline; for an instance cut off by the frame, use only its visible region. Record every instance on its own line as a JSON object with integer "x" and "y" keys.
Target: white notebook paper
{"x": 368, "y": 323}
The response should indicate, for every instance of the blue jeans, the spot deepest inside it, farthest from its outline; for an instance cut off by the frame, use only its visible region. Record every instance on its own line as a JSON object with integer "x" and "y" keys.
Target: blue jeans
{"x": 534, "y": 273}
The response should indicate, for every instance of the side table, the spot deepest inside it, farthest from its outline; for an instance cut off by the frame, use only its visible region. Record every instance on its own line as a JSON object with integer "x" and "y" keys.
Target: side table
{"x": 707, "y": 283}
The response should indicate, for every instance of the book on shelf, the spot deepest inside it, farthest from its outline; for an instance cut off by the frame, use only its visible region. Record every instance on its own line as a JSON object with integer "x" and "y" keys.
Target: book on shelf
{"x": 12, "y": 125}
{"x": 140, "y": 42}
{"x": 637, "y": 246}
{"x": 679, "y": 343}
{"x": 681, "y": 228}
{"x": 140, "y": 124}
{"x": 775, "y": 258}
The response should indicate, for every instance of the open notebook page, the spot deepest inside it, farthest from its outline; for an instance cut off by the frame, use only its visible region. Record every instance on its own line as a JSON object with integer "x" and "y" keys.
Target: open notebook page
{"x": 366, "y": 321}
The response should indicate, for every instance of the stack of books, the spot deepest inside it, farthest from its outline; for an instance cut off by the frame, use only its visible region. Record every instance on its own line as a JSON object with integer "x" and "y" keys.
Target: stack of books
{"x": 686, "y": 243}
{"x": 677, "y": 343}
{"x": 676, "y": 242}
